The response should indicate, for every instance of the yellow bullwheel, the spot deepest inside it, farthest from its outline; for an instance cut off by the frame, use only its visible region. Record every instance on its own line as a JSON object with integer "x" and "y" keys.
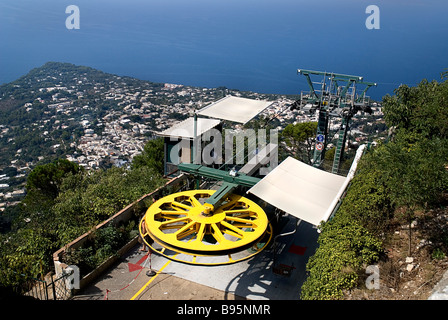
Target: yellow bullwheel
{"x": 184, "y": 223}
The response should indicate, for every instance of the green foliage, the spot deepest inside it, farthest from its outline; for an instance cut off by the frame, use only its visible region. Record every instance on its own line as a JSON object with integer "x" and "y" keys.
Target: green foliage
{"x": 90, "y": 198}
{"x": 102, "y": 244}
{"x": 368, "y": 200}
{"x": 152, "y": 156}
{"x": 444, "y": 74}
{"x": 345, "y": 246}
{"x": 421, "y": 109}
{"x": 47, "y": 178}
{"x": 77, "y": 201}
{"x": 44, "y": 181}
{"x": 23, "y": 255}
{"x": 300, "y": 138}
{"x": 414, "y": 173}
{"x": 407, "y": 172}
{"x": 438, "y": 254}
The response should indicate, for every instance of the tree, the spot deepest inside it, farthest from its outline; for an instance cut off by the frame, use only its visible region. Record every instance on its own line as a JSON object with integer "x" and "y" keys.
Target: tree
{"x": 444, "y": 74}
{"x": 327, "y": 164}
{"x": 42, "y": 187}
{"x": 90, "y": 197}
{"x": 46, "y": 179}
{"x": 415, "y": 174}
{"x": 26, "y": 253}
{"x": 300, "y": 138}
{"x": 420, "y": 110}
{"x": 414, "y": 165}
{"x": 152, "y": 156}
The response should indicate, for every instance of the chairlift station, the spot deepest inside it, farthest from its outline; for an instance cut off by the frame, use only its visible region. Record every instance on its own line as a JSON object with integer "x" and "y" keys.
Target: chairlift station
{"x": 240, "y": 213}
{"x": 245, "y": 229}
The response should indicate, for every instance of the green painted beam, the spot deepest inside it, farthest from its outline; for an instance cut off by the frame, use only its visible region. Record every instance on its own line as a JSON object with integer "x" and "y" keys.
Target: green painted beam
{"x": 229, "y": 182}
{"x": 203, "y": 171}
{"x": 337, "y": 76}
{"x": 220, "y": 194}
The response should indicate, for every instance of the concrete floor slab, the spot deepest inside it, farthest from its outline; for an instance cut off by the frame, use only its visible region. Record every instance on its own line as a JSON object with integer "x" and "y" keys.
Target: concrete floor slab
{"x": 273, "y": 274}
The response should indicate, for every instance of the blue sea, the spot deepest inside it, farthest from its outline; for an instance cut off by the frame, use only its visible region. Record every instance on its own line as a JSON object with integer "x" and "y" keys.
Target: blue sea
{"x": 255, "y": 45}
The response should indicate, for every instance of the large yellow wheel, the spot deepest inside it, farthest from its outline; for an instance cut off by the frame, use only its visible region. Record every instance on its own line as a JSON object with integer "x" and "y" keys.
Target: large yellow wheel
{"x": 182, "y": 223}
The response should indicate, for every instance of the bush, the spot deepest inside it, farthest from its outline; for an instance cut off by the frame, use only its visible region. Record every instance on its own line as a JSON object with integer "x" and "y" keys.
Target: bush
{"x": 367, "y": 199}
{"x": 344, "y": 249}
{"x": 102, "y": 244}
{"x": 81, "y": 200}
{"x": 438, "y": 254}
{"x": 152, "y": 156}
{"x": 89, "y": 198}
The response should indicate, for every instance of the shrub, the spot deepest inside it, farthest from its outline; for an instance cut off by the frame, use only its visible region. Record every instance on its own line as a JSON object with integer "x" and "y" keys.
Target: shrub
{"x": 102, "y": 244}
{"x": 408, "y": 172}
{"x": 345, "y": 247}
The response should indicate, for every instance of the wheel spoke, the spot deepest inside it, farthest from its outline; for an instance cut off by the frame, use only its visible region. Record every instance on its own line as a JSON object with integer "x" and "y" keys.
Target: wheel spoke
{"x": 217, "y": 234}
{"x": 232, "y": 211}
{"x": 238, "y": 232}
{"x": 175, "y": 204}
{"x": 164, "y": 223}
{"x": 179, "y": 233}
{"x": 185, "y": 234}
{"x": 201, "y": 232}
{"x": 246, "y": 215}
{"x": 229, "y": 205}
{"x": 195, "y": 202}
{"x": 233, "y": 234}
{"x": 240, "y": 220}
{"x": 174, "y": 213}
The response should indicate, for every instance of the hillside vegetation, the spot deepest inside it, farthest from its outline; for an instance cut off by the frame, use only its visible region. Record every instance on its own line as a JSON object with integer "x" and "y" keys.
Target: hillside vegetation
{"x": 398, "y": 182}
{"x": 64, "y": 201}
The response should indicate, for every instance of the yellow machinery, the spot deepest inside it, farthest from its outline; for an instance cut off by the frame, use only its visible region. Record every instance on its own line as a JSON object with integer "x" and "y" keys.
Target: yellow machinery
{"x": 207, "y": 227}
{"x": 236, "y": 230}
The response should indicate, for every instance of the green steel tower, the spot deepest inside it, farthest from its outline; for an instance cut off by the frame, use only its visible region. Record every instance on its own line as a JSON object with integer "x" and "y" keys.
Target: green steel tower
{"x": 334, "y": 96}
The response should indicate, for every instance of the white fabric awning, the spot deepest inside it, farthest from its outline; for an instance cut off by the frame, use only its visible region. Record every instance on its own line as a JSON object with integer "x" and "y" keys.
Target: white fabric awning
{"x": 185, "y": 129}
{"x": 303, "y": 191}
{"x": 300, "y": 190}
{"x": 235, "y": 109}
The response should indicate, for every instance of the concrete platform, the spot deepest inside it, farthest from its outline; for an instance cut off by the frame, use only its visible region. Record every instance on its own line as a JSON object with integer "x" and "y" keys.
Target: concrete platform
{"x": 273, "y": 274}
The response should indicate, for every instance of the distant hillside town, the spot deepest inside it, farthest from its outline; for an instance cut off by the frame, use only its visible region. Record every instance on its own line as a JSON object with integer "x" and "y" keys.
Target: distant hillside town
{"x": 100, "y": 120}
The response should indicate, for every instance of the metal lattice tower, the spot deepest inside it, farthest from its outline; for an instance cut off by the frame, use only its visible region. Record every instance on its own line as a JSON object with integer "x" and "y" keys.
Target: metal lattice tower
{"x": 334, "y": 96}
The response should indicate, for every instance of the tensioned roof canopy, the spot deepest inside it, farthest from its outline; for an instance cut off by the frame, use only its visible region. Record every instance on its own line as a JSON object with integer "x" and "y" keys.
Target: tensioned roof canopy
{"x": 185, "y": 129}
{"x": 300, "y": 190}
{"x": 235, "y": 109}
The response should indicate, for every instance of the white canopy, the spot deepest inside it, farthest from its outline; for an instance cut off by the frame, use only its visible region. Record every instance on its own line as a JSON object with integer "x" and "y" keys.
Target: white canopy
{"x": 185, "y": 129}
{"x": 235, "y": 109}
{"x": 303, "y": 191}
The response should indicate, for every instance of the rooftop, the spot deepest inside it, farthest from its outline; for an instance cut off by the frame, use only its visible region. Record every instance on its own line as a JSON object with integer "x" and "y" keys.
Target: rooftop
{"x": 185, "y": 129}
{"x": 235, "y": 109}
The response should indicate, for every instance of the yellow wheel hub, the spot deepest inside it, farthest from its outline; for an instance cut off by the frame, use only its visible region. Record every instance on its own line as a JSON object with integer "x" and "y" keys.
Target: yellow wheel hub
{"x": 183, "y": 222}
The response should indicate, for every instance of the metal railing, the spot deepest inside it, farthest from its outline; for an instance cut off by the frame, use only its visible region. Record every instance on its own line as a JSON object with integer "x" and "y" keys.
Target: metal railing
{"x": 52, "y": 289}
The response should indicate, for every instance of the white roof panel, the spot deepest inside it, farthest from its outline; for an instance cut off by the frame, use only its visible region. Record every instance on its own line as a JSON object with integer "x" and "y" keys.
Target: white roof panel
{"x": 235, "y": 109}
{"x": 300, "y": 190}
{"x": 185, "y": 129}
